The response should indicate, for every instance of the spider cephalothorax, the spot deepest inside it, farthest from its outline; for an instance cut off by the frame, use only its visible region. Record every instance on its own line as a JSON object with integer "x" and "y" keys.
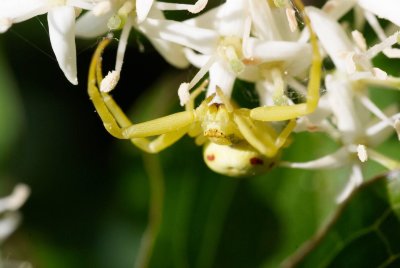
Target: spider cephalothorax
{"x": 218, "y": 125}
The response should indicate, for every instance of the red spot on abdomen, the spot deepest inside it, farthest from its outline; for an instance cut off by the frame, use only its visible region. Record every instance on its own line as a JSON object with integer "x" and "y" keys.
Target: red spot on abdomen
{"x": 210, "y": 157}
{"x": 256, "y": 161}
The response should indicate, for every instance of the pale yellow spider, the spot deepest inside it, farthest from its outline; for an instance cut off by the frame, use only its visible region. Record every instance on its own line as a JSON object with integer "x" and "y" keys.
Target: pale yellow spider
{"x": 236, "y": 141}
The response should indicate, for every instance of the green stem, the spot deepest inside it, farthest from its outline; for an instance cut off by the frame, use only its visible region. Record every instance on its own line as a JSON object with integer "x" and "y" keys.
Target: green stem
{"x": 156, "y": 180}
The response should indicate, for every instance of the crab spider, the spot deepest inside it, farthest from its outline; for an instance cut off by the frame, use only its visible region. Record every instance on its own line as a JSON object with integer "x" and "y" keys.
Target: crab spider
{"x": 236, "y": 141}
{"x": 235, "y": 144}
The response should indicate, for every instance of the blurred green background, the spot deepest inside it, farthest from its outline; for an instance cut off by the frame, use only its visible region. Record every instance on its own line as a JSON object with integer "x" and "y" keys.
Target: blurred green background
{"x": 90, "y": 192}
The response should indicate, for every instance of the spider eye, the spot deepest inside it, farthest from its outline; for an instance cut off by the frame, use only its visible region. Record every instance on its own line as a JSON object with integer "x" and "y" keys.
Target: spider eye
{"x": 238, "y": 160}
{"x": 219, "y": 127}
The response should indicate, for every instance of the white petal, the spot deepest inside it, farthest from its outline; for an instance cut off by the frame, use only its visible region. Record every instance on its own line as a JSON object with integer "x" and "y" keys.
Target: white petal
{"x": 207, "y": 19}
{"x": 202, "y": 40}
{"x": 198, "y": 60}
{"x": 90, "y": 26}
{"x": 387, "y": 9}
{"x": 21, "y": 10}
{"x": 331, "y": 35}
{"x": 220, "y": 76}
{"x": 337, "y": 159}
{"x": 143, "y": 9}
{"x": 295, "y": 55}
{"x": 381, "y": 131}
{"x": 263, "y": 20}
{"x": 171, "y": 52}
{"x": 232, "y": 17}
{"x": 341, "y": 99}
{"x": 337, "y": 8}
{"x": 110, "y": 81}
{"x": 356, "y": 178}
{"x": 62, "y": 36}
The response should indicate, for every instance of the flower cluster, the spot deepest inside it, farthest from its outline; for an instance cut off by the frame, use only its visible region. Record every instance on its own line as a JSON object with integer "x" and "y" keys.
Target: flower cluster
{"x": 346, "y": 112}
{"x": 260, "y": 42}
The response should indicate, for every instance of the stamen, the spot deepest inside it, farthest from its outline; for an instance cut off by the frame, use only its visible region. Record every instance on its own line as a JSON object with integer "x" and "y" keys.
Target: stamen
{"x": 374, "y": 23}
{"x": 184, "y": 88}
{"x": 381, "y": 125}
{"x": 392, "y": 53}
{"x": 374, "y": 109}
{"x": 331, "y": 161}
{"x": 110, "y": 81}
{"x": 359, "y": 40}
{"x": 246, "y": 37}
{"x": 387, "y": 43}
{"x": 123, "y": 42}
{"x": 183, "y": 93}
{"x": 195, "y": 8}
{"x": 198, "y": 6}
{"x": 379, "y": 73}
{"x": 202, "y": 72}
{"x": 362, "y": 153}
{"x": 383, "y": 160}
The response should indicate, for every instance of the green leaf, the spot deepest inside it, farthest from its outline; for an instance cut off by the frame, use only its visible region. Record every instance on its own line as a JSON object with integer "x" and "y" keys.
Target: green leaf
{"x": 363, "y": 232}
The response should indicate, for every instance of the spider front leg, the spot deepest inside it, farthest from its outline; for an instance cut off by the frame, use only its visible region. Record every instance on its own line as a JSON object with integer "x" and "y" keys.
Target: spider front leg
{"x": 280, "y": 113}
{"x": 150, "y": 146}
{"x": 170, "y": 128}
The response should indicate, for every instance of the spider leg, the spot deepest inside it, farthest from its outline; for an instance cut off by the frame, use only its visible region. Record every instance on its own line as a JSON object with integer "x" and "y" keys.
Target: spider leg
{"x": 150, "y": 146}
{"x": 170, "y": 128}
{"x": 261, "y": 136}
{"x": 257, "y": 134}
{"x": 280, "y": 113}
{"x": 285, "y": 133}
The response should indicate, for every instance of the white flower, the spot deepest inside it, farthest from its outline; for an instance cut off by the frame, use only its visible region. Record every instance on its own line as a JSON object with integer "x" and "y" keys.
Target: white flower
{"x": 113, "y": 15}
{"x": 219, "y": 42}
{"x": 61, "y": 20}
{"x": 368, "y": 10}
{"x": 351, "y": 119}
